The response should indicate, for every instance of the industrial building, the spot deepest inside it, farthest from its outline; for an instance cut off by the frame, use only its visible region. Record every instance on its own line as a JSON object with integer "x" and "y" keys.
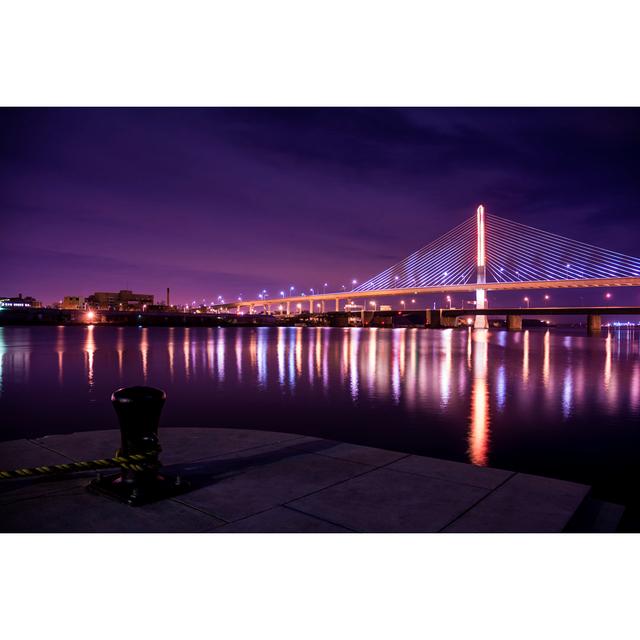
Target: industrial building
{"x": 72, "y": 302}
{"x": 123, "y": 300}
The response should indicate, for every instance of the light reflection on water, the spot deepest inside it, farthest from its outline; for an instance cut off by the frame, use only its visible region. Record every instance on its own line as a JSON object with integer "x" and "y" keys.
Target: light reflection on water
{"x": 488, "y": 396}
{"x": 90, "y": 350}
{"x": 3, "y": 350}
{"x": 120, "y": 350}
{"x": 59, "y": 353}
{"x": 479, "y": 427}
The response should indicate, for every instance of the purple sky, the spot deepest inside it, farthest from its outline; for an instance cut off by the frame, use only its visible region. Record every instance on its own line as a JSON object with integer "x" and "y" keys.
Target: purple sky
{"x": 232, "y": 201}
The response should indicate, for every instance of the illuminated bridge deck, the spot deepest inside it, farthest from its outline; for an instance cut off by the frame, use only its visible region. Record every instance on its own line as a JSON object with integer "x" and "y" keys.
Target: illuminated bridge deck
{"x": 263, "y": 481}
{"x": 544, "y": 311}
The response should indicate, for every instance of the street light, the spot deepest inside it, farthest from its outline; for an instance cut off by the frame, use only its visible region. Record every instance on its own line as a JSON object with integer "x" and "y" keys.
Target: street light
{"x": 404, "y": 305}
{"x": 546, "y": 296}
{"x": 526, "y": 299}
{"x": 449, "y": 301}
{"x": 324, "y": 287}
{"x": 282, "y": 293}
{"x": 354, "y": 283}
{"x": 607, "y": 295}
{"x": 373, "y": 304}
{"x": 413, "y": 301}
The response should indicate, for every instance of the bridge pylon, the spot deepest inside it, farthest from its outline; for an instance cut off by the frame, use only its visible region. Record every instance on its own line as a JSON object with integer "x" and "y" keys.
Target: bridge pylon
{"x": 481, "y": 321}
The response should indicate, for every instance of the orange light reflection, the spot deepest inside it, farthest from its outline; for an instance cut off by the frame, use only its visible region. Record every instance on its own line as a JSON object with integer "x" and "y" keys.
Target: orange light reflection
{"x": 479, "y": 424}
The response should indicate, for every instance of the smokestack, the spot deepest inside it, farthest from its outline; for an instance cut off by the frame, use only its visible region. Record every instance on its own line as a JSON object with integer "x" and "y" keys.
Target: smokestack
{"x": 168, "y": 301}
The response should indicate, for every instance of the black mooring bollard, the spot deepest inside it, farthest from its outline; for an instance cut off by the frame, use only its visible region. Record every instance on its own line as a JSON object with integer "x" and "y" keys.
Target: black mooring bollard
{"x": 138, "y": 410}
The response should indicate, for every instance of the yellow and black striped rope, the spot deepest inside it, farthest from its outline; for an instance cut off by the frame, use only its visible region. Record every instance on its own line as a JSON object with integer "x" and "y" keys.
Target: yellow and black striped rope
{"x": 126, "y": 462}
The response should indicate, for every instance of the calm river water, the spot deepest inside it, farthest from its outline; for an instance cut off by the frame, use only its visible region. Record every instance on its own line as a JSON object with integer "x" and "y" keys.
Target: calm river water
{"x": 546, "y": 402}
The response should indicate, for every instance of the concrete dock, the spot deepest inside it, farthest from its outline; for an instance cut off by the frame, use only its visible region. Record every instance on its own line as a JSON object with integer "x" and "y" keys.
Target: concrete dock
{"x": 249, "y": 481}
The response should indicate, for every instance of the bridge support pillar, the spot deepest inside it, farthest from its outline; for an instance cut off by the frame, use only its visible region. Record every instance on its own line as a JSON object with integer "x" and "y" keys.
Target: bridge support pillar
{"x": 437, "y": 320}
{"x": 481, "y": 322}
{"x": 323, "y": 306}
{"x": 337, "y": 304}
{"x": 514, "y": 323}
{"x": 288, "y": 307}
{"x": 447, "y": 322}
{"x": 251, "y": 311}
{"x": 238, "y": 310}
{"x": 432, "y": 319}
{"x": 594, "y": 324}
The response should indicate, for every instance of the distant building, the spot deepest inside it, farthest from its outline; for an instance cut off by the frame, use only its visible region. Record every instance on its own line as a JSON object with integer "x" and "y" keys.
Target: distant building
{"x": 72, "y": 302}
{"x": 20, "y": 302}
{"x": 123, "y": 300}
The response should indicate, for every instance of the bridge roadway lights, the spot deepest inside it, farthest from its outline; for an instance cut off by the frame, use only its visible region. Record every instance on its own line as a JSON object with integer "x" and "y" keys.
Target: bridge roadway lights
{"x": 514, "y": 323}
{"x": 138, "y": 410}
{"x": 594, "y": 324}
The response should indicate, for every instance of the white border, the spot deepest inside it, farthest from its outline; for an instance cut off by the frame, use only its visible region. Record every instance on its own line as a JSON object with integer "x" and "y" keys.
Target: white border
{"x": 334, "y": 52}
{"x": 276, "y": 52}
{"x": 320, "y": 586}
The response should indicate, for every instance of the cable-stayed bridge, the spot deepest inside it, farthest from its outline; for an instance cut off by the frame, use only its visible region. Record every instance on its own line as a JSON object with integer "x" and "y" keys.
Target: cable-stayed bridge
{"x": 484, "y": 253}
